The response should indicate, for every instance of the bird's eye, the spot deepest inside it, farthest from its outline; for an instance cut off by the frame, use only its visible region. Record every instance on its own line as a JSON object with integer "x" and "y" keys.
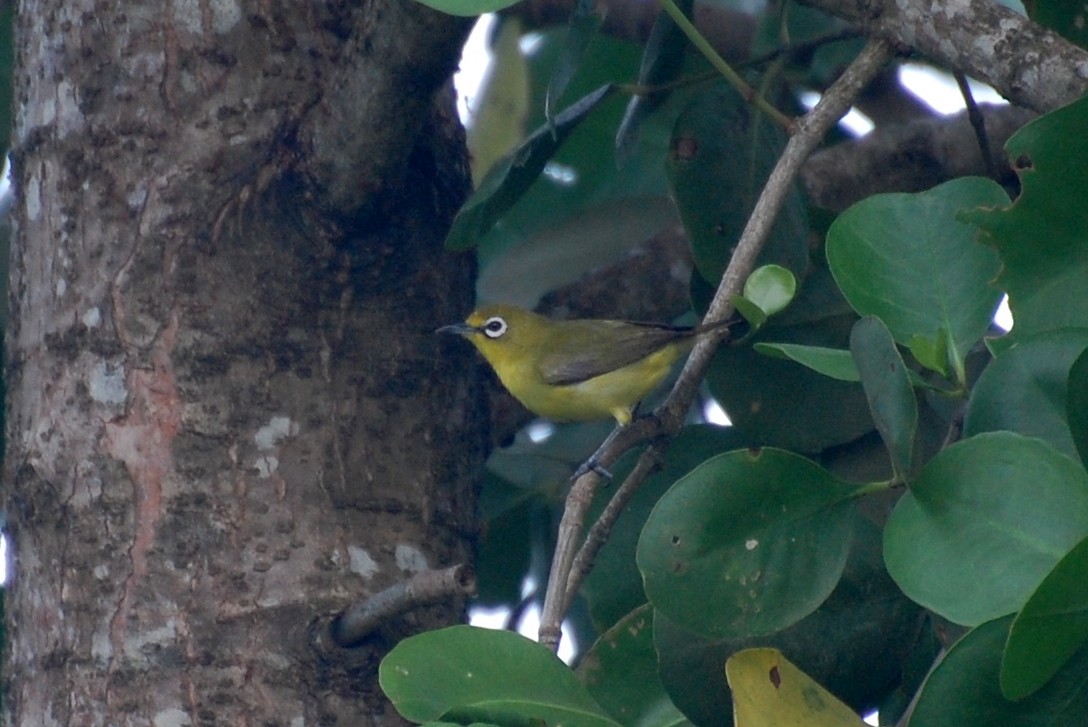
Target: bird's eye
{"x": 494, "y": 327}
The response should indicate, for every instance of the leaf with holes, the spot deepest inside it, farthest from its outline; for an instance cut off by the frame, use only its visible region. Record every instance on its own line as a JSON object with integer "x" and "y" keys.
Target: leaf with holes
{"x": 1042, "y": 238}
{"x": 748, "y": 543}
{"x": 768, "y": 691}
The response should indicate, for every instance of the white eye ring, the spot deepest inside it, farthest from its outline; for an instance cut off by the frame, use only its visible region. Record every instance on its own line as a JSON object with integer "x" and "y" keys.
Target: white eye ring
{"x": 494, "y": 327}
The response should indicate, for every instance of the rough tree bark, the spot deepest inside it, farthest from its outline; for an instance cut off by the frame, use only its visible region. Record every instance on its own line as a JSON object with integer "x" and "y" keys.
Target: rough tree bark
{"x": 228, "y": 418}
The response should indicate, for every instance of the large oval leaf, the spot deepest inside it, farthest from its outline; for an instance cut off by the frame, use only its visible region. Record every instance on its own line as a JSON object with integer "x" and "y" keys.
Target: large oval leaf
{"x": 963, "y": 688}
{"x": 887, "y": 388}
{"x": 748, "y": 543}
{"x": 985, "y": 521}
{"x": 854, "y": 643}
{"x": 614, "y": 587}
{"x": 1024, "y": 389}
{"x": 720, "y": 156}
{"x": 483, "y": 674}
{"x": 910, "y": 261}
{"x": 1052, "y": 627}
{"x": 1042, "y": 237}
{"x": 620, "y": 671}
{"x": 1076, "y": 405}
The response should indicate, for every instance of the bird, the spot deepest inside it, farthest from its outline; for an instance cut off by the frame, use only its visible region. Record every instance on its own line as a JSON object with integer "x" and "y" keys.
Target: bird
{"x": 576, "y": 370}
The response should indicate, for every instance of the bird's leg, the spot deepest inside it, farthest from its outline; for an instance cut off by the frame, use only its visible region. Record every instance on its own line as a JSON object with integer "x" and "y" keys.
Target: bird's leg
{"x": 592, "y": 464}
{"x": 623, "y": 418}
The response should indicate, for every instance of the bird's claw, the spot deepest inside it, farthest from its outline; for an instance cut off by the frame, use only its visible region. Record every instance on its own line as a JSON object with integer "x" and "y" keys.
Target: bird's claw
{"x": 591, "y": 465}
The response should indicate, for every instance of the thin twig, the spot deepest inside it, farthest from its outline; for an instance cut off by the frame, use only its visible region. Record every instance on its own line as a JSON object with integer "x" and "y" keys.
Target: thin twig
{"x": 422, "y": 589}
{"x": 598, "y": 534}
{"x": 793, "y": 51}
{"x": 513, "y": 619}
{"x": 719, "y": 63}
{"x": 978, "y": 123}
{"x": 668, "y": 418}
{"x": 570, "y": 525}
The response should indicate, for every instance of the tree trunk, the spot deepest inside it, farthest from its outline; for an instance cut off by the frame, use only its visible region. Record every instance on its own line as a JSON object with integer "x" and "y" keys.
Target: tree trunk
{"x": 228, "y": 418}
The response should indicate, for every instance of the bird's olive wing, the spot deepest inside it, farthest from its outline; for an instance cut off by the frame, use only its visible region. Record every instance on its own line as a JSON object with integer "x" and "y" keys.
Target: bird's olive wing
{"x": 581, "y": 350}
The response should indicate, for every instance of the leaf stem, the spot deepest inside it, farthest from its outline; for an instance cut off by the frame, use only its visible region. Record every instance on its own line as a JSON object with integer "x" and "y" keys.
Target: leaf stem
{"x": 732, "y": 77}
{"x": 874, "y": 488}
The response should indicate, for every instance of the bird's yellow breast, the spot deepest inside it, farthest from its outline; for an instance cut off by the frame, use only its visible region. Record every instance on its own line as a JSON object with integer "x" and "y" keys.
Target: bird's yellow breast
{"x": 613, "y": 394}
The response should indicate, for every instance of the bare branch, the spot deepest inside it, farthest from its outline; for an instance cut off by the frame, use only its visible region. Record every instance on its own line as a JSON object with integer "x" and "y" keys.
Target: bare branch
{"x": 666, "y": 421}
{"x": 978, "y": 123}
{"x": 1028, "y": 64}
{"x": 422, "y": 589}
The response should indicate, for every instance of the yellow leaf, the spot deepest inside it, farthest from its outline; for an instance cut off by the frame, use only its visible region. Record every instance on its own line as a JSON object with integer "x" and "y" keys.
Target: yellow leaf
{"x": 498, "y": 123}
{"x": 769, "y": 691}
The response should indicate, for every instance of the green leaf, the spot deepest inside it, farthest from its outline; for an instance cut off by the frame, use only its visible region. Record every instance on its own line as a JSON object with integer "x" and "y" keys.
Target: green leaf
{"x": 479, "y": 674}
{"x": 750, "y": 310}
{"x": 1076, "y": 405}
{"x": 523, "y": 712}
{"x": 620, "y": 671}
{"x": 585, "y": 20}
{"x": 662, "y": 62}
{"x": 1024, "y": 389}
{"x": 748, "y": 543}
{"x": 581, "y": 212}
{"x": 778, "y": 403}
{"x": 931, "y": 352}
{"x": 1050, "y": 629}
{"x": 909, "y": 260}
{"x": 1043, "y": 237}
{"x": 544, "y": 467}
{"x": 983, "y": 523}
{"x": 504, "y": 548}
{"x": 853, "y": 643}
{"x": 771, "y": 287}
{"x": 812, "y": 70}
{"x": 818, "y": 300}
{"x": 887, "y": 388}
{"x": 720, "y": 156}
{"x": 964, "y": 689}
{"x": 614, "y": 587}
{"x": 833, "y": 362}
{"x": 511, "y": 177}
{"x": 468, "y": 8}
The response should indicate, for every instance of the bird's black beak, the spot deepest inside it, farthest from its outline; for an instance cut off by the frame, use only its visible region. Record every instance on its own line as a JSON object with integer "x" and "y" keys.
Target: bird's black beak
{"x": 461, "y": 329}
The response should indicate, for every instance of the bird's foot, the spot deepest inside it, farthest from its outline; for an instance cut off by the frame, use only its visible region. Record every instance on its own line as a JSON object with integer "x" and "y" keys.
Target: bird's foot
{"x": 591, "y": 465}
